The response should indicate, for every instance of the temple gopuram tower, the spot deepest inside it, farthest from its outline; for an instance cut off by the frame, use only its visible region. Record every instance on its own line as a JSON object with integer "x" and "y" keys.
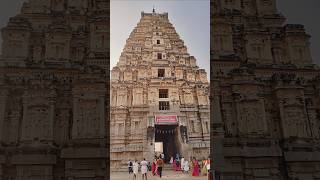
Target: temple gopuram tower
{"x": 265, "y": 94}
{"x": 158, "y": 95}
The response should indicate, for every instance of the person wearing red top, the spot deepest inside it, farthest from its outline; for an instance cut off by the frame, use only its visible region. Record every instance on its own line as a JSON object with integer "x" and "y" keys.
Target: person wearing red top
{"x": 174, "y": 165}
{"x": 195, "y": 165}
{"x": 154, "y": 167}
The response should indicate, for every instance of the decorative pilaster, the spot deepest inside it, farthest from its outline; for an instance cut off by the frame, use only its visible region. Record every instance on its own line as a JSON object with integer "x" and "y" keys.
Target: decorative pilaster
{"x": 51, "y": 118}
{"x": 24, "y": 118}
{"x": 102, "y": 117}
{"x": 216, "y": 115}
{"x": 1, "y": 173}
{"x": 75, "y": 116}
{"x": 3, "y": 100}
{"x": 217, "y": 132}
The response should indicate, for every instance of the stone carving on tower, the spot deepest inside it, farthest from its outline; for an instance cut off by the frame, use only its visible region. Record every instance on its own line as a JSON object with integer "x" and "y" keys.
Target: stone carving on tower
{"x": 265, "y": 121}
{"x": 156, "y": 78}
{"x": 53, "y": 91}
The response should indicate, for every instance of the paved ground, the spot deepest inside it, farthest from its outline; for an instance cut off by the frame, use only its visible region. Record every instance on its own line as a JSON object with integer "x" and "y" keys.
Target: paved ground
{"x": 167, "y": 175}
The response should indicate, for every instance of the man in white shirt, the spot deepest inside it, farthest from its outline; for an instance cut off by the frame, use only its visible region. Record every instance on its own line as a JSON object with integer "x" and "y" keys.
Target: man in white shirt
{"x": 144, "y": 169}
{"x": 135, "y": 169}
{"x": 182, "y": 163}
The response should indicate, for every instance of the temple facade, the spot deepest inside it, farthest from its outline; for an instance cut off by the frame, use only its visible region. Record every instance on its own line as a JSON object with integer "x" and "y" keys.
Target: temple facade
{"x": 265, "y": 98}
{"x": 54, "y": 91}
{"x": 159, "y": 96}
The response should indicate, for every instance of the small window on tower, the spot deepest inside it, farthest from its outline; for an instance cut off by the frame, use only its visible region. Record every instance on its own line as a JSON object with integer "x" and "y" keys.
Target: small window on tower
{"x": 159, "y": 55}
{"x": 136, "y": 125}
{"x": 266, "y": 2}
{"x": 158, "y": 41}
{"x": 163, "y": 93}
{"x": 164, "y": 105}
{"x": 228, "y": 2}
{"x": 161, "y": 72}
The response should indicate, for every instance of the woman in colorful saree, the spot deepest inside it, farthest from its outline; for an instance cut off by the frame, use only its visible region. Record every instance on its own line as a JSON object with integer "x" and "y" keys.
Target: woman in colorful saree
{"x": 195, "y": 165}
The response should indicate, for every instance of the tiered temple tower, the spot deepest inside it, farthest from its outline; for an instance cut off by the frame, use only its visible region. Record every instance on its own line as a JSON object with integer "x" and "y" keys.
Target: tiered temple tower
{"x": 53, "y": 91}
{"x": 159, "y": 94}
{"x": 265, "y": 94}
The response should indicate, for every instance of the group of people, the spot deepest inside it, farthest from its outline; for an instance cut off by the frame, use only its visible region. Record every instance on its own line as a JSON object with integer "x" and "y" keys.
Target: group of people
{"x": 134, "y": 166}
{"x": 178, "y": 164}
{"x": 181, "y": 164}
{"x": 157, "y": 165}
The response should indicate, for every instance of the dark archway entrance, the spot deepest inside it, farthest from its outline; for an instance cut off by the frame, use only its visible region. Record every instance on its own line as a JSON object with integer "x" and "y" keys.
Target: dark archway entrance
{"x": 168, "y": 135}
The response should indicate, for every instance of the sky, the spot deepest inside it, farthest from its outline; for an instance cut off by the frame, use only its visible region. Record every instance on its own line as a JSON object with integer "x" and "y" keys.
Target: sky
{"x": 304, "y": 12}
{"x": 307, "y": 13}
{"x": 8, "y": 8}
{"x": 191, "y": 19}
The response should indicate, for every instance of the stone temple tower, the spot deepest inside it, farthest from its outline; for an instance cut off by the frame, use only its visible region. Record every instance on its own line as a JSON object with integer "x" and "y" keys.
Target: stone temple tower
{"x": 159, "y": 95}
{"x": 54, "y": 91}
{"x": 265, "y": 94}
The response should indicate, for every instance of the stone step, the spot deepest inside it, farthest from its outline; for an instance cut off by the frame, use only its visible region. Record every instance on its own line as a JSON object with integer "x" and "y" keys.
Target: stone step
{"x": 125, "y": 168}
{"x": 168, "y": 167}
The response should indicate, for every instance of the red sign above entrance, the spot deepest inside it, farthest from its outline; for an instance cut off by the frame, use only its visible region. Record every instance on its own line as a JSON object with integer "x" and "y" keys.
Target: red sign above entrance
{"x": 166, "y": 120}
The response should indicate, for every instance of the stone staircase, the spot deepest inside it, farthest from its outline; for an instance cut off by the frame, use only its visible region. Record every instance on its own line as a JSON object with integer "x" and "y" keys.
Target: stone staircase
{"x": 167, "y": 167}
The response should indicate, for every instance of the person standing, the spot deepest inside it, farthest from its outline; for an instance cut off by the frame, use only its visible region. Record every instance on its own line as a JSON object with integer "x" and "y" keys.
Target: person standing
{"x": 208, "y": 166}
{"x": 177, "y": 157}
{"x": 195, "y": 165}
{"x": 177, "y": 166}
{"x": 182, "y": 163}
{"x": 149, "y": 166}
{"x": 174, "y": 165}
{"x": 160, "y": 164}
{"x": 204, "y": 167}
{"x": 171, "y": 160}
{"x": 144, "y": 169}
{"x": 130, "y": 166}
{"x": 154, "y": 167}
{"x": 178, "y": 162}
{"x": 186, "y": 166}
{"x": 135, "y": 168}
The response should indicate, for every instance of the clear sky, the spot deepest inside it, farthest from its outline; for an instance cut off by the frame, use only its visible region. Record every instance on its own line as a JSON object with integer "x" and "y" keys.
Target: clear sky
{"x": 307, "y": 13}
{"x": 191, "y": 19}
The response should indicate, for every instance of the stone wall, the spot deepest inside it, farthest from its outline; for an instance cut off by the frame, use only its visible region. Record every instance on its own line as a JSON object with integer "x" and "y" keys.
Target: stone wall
{"x": 264, "y": 88}
{"x": 135, "y": 84}
{"x": 54, "y": 91}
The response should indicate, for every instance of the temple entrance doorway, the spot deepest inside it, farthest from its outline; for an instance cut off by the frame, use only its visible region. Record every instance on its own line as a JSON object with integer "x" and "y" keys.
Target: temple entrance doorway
{"x": 166, "y": 137}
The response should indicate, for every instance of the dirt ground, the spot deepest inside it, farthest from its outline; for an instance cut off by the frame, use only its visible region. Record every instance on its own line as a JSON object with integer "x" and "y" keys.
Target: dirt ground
{"x": 167, "y": 175}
